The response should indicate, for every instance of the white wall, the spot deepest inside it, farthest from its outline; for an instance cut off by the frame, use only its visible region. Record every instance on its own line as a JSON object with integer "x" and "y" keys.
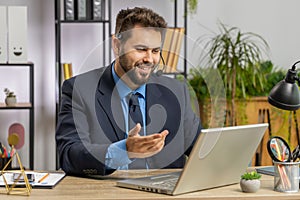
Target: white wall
{"x": 275, "y": 20}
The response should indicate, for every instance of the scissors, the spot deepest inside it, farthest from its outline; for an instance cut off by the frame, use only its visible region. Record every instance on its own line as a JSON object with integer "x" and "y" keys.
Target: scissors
{"x": 296, "y": 153}
{"x": 279, "y": 150}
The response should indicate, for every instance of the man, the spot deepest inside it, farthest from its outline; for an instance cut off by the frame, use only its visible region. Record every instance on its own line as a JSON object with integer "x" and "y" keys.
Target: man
{"x": 125, "y": 116}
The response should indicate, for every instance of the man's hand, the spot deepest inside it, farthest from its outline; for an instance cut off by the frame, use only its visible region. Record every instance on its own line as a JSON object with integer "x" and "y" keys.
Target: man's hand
{"x": 144, "y": 146}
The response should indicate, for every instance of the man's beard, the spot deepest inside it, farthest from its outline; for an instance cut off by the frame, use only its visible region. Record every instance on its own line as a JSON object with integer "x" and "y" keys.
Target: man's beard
{"x": 132, "y": 73}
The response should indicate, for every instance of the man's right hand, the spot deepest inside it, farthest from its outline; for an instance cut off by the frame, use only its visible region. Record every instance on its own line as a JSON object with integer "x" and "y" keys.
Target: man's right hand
{"x": 144, "y": 146}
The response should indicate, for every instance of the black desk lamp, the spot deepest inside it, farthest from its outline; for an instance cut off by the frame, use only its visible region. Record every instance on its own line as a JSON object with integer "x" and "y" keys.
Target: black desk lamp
{"x": 285, "y": 94}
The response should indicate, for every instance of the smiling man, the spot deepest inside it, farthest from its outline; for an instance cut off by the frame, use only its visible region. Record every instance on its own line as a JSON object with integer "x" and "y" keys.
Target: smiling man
{"x": 138, "y": 56}
{"x": 125, "y": 116}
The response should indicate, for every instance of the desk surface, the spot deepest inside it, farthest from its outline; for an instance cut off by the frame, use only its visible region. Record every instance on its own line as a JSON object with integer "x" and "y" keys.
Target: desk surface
{"x": 105, "y": 188}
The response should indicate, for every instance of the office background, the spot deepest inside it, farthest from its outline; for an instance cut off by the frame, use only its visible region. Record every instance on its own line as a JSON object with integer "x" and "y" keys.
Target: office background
{"x": 277, "y": 21}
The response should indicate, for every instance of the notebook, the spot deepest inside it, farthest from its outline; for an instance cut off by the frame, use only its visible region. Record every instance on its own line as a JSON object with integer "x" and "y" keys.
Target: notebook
{"x": 41, "y": 179}
{"x": 268, "y": 170}
{"x": 219, "y": 157}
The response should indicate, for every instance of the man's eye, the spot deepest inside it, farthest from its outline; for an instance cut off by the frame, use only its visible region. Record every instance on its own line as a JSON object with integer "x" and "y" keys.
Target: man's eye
{"x": 156, "y": 50}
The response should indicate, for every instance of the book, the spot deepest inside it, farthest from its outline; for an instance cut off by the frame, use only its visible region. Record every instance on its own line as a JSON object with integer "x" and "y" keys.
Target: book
{"x": 178, "y": 36}
{"x": 40, "y": 180}
{"x": 266, "y": 170}
{"x": 269, "y": 170}
{"x": 17, "y": 28}
{"x": 69, "y": 9}
{"x": 166, "y": 47}
{"x": 84, "y": 10}
{"x": 171, "y": 48}
{"x": 98, "y": 9}
{"x": 3, "y": 34}
{"x": 67, "y": 70}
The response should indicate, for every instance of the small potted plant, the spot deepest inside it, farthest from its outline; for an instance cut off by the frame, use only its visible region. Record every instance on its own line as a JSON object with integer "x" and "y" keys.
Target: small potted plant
{"x": 250, "y": 182}
{"x": 10, "y": 99}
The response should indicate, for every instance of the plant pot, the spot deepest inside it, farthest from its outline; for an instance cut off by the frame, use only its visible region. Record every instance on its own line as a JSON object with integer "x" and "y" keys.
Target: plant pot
{"x": 250, "y": 186}
{"x": 10, "y": 101}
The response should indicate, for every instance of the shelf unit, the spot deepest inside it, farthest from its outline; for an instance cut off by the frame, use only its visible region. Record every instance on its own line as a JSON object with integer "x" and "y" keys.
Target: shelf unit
{"x": 25, "y": 106}
{"x": 59, "y": 23}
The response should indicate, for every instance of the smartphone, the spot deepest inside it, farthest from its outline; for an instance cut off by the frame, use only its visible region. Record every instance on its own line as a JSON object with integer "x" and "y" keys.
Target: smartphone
{"x": 18, "y": 177}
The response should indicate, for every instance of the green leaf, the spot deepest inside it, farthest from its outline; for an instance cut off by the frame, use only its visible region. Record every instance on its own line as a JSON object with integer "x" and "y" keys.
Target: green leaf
{"x": 251, "y": 175}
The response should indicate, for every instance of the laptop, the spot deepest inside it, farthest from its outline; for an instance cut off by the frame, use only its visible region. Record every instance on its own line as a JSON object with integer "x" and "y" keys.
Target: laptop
{"x": 219, "y": 157}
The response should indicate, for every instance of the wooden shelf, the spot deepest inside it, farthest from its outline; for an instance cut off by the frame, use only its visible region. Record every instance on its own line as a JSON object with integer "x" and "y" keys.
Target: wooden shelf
{"x": 16, "y": 64}
{"x": 84, "y": 21}
{"x": 21, "y": 105}
{"x": 25, "y": 105}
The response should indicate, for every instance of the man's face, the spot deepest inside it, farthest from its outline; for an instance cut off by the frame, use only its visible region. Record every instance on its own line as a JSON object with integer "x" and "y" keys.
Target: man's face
{"x": 139, "y": 55}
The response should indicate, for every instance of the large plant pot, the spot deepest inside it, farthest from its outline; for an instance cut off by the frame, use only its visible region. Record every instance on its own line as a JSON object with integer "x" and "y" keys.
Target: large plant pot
{"x": 10, "y": 101}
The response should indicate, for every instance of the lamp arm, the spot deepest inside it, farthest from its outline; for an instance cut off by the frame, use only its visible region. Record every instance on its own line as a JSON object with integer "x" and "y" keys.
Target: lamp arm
{"x": 294, "y": 65}
{"x": 291, "y": 76}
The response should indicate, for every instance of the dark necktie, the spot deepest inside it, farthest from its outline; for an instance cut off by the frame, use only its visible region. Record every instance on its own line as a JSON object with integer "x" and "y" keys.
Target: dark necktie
{"x": 135, "y": 116}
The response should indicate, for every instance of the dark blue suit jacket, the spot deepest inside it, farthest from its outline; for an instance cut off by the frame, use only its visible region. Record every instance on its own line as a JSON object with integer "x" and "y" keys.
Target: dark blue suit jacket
{"x": 91, "y": 118}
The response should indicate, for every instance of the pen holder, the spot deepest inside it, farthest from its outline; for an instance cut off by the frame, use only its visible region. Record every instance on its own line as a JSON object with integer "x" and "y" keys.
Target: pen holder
{"x": 286, "y": 178}
{"x": 3, "y": 162}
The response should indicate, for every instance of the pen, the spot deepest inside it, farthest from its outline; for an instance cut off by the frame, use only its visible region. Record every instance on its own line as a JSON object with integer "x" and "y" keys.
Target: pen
{"x": 4, "y": 155}
{"x": 43, "y": 178}
{"x": 278, "y": 152}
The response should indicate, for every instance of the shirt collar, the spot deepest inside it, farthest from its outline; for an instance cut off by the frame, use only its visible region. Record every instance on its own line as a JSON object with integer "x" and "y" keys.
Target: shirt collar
{"x": 122, "y": 88}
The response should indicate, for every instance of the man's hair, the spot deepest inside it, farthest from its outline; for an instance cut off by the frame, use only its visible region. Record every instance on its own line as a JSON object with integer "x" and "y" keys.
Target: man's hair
{"x": 144, "y": 17}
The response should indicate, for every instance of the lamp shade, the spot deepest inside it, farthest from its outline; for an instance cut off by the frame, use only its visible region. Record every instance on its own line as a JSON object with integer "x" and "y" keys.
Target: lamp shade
{"x": 285, "y": 94}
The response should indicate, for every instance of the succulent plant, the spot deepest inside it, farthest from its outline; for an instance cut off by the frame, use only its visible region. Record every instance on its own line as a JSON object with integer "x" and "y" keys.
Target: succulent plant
{"x": 9, "y": 93}
{"x": 251, "y": 175}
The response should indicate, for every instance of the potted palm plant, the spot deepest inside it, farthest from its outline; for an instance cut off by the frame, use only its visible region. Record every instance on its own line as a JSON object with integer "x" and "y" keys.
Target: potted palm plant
{"x": 237, "y": 55}
{"x": 199, "y": 83}
{"x": 247, "y": 79}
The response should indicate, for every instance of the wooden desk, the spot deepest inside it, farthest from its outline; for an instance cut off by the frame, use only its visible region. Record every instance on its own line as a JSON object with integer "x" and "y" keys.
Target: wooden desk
{"x": 86, "y": 188}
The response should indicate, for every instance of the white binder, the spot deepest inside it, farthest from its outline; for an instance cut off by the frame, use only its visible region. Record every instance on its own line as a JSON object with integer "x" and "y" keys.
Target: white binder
{"x": 17, "y": 34}
{"x": 3, "y": 34}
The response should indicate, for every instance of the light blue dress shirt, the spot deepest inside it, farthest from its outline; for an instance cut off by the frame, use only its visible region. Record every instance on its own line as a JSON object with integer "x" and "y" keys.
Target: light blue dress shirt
{"x": 116, "y": 156}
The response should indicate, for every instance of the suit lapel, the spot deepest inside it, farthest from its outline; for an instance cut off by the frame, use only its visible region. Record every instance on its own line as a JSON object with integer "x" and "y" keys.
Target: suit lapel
{"x": 109, "y": 100}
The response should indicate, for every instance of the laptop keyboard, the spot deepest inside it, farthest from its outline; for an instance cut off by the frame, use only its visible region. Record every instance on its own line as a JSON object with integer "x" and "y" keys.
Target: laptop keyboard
{"x": 168, "y": 183}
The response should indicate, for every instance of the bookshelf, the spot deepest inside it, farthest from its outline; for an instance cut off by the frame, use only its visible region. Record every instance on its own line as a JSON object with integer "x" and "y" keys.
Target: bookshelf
{"x": 25, "y": 105}
{"x": 60, "y": 21}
